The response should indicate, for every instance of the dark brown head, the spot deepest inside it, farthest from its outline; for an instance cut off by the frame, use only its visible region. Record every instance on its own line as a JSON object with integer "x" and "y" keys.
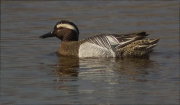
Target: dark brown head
{"x": 64, "y": 30}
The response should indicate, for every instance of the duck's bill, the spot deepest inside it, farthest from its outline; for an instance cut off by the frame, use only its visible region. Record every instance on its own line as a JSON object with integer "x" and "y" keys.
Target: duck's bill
{"x": 49, "y": 34}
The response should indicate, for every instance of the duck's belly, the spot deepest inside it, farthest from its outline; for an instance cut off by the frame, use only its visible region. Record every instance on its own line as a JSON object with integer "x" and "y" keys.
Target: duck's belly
{"x": 93, "y": 50}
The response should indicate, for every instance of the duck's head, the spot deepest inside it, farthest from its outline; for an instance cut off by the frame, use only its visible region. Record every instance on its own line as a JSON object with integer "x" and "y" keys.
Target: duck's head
{"x": 64, "y": 30}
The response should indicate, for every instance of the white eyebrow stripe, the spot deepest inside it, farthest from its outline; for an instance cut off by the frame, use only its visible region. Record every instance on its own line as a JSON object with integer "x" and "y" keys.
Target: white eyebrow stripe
{"x": 67, "y": 26}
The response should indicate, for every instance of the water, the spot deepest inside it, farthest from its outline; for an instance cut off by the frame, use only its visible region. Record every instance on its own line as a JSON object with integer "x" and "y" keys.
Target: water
{"x": 32, "y": 73}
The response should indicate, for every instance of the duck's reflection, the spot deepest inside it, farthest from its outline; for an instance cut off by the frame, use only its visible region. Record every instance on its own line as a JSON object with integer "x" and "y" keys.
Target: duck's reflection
{"x": 67, "y": 66}
{"x": 134, "y": 66}
{"x": 106, "y": 74}
{"x": 72, "y": 66}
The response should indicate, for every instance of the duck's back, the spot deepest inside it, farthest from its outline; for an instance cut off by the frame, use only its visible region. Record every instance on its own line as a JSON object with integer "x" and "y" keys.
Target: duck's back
{"x": 106, "y": 45}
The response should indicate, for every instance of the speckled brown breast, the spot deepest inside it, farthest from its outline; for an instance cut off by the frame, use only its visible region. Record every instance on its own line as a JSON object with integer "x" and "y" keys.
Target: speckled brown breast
{"x": 69, "y": 48}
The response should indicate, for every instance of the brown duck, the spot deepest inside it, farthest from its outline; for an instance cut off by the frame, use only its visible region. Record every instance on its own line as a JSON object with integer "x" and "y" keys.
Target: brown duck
{"x": 104, "y": 45}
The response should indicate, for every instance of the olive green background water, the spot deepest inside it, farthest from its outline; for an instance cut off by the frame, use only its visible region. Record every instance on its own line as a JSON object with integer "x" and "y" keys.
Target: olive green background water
{"x": 32, "y": 73}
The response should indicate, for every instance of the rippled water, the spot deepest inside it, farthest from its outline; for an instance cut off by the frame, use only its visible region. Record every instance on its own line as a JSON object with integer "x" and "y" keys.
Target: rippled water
{"x": 32, "y": 73}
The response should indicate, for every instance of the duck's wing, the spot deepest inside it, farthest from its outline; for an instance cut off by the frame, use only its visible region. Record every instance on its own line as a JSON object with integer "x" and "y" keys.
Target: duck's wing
{"x": 112, "y": 45}
{"x": 110, "y": 41}
{"x": 106, "y": 44}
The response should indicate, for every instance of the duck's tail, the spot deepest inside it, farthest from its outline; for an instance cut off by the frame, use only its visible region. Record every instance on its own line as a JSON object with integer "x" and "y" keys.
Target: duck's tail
{"x": 138, "y": 48}
{"x": 126, "y": 39}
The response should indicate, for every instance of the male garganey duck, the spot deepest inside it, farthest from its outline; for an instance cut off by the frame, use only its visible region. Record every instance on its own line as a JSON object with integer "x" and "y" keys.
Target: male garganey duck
{"x": 104, "y": 45}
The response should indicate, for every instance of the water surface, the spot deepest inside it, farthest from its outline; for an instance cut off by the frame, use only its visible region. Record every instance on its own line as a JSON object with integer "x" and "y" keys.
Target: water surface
{"x": 32, "y": 73}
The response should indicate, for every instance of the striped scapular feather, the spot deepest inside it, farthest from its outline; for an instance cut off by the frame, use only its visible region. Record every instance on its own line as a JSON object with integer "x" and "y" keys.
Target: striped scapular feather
{"x": 123, "y": 45}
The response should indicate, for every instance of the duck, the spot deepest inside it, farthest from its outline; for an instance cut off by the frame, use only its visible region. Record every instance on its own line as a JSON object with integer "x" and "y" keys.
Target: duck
{"x": 103, "y": 45}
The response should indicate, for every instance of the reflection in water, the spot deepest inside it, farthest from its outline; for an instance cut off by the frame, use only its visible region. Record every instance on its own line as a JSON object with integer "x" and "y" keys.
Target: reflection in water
{"x": 67, "y": 66}
{"x": 106, "y": 74}
{"x": 134, "y": 66}
{"x": 72, "y": 66}
{"x": 113, "y": 70}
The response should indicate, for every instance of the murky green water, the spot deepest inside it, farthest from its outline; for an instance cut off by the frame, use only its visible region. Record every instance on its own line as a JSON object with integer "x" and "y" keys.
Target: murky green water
{"x": 32, "y": 73}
